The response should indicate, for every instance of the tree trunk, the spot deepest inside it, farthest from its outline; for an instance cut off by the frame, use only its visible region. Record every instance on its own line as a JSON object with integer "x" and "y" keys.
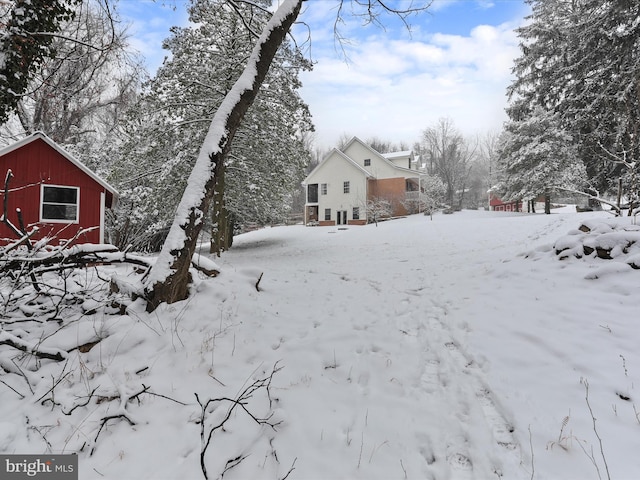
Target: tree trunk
{"x": 547, "y": 203}
{"x": 169, "y": 278}
{"x": 218, "y": 215}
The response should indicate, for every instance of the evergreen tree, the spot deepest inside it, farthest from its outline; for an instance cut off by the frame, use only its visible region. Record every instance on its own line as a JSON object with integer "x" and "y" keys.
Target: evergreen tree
{"x": 536, "y": 157}
{"x": 580, "y": 60}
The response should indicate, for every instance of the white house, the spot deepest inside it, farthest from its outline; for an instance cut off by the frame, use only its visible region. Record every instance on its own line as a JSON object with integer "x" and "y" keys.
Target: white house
{"x": 339, "y": 189}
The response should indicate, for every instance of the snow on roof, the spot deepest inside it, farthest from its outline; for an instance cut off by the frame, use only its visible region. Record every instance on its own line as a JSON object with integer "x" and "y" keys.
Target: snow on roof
{"x": 404, "y": 153}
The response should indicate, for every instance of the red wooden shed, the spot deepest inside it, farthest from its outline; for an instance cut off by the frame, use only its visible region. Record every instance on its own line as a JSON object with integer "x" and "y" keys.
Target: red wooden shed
{"x": 54, "y": 191}
{"x": 496, "y": 204}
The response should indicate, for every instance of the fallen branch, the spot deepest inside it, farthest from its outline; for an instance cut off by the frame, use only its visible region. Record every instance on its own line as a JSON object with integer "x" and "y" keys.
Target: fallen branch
{"x": 89, "y": 397}
{"x": 17, "y": 343}
{"x": 104, "y": 422}
{"x": 241, "y": 401}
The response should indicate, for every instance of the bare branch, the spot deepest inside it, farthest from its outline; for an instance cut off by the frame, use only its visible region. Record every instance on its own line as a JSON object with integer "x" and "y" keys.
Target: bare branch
{"x": 19, "y": 344}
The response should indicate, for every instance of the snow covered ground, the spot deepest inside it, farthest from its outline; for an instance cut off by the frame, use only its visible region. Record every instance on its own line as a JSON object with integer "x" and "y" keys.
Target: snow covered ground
{"x": 458, "y": 348}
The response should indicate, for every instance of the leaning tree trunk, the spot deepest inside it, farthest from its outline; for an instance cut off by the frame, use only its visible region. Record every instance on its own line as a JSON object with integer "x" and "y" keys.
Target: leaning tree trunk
{"x": 169, "y": 278}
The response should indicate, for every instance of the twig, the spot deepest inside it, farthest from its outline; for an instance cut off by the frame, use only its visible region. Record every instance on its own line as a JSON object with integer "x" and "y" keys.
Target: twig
{"x": 533, "y": 464}
{"x": 82, "y": 404}
{"x": 291, "y": 469}
{"x": 23, "y": 376}
{"x": 104, "y": 422}
{"x": 22, "y": 396}
{"x": 258, "y": 282}
{"x": 595, "y": 430}
{"x": 231, "y": 463}
{"x": 241, "y": 401}
{"x": 164, "y": 396}
{"x": 55, "y": 384}
{"x": 375, "y": 449}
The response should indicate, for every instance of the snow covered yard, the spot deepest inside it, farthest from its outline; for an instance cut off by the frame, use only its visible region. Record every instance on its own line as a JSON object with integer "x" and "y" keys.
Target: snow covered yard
{"x": 458, "y": 348}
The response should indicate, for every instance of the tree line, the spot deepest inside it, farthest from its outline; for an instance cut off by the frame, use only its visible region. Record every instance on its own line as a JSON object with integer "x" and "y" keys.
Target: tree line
{"x": 574, "y": 104}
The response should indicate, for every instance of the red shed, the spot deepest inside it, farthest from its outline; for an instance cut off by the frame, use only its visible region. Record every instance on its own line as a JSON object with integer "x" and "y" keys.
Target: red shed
{"x": 54, "y": 191}
{"x": 496, "y": 204}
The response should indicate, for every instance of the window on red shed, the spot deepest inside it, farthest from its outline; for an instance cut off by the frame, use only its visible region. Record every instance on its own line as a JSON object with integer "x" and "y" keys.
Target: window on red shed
{"x": 59, "y": 204}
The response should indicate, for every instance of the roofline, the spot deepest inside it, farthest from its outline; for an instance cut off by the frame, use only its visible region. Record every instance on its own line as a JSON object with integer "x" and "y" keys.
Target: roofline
{"x": 373, "y": 150}
{"x": 344, "y": 156}
{"x": 61, "y": 151}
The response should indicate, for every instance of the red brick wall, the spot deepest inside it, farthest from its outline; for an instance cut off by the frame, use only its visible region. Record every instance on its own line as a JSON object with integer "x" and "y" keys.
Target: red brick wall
{"x": 391, "y": 189}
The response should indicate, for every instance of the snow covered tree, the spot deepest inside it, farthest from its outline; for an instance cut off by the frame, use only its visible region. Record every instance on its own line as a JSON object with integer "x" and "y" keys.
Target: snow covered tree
{"x": 266, "y": 164}
{"x": 27, "y": 31}
{"x": 536, "y": 157}
{"x": 579, "y": 60}
{"x": 431, "y": 195}
{"x": 378, "y": 208}
{"x": 169, "y": 278}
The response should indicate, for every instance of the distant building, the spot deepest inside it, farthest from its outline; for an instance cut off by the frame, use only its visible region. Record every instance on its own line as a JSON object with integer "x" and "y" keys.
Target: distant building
{"x": 496, "y": 204}
{"x": 339, "y": 189}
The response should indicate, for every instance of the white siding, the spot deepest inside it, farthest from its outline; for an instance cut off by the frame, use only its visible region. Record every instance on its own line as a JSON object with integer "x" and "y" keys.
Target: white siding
{"x": 334, "y": 171}
{"x": 379, "y": 168}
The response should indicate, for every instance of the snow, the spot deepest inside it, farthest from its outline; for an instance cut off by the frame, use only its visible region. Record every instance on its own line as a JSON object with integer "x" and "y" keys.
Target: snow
{"x": 457, "y": 348}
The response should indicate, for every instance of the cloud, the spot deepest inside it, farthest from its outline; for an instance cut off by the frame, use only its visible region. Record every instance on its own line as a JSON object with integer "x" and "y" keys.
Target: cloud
{"x": 150, "y": 23}
{"x": 394, "y": 89}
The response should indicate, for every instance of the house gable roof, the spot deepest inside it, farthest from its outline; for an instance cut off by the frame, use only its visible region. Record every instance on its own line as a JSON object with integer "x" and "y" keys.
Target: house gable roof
{"x": 335, "y": 153}
{"x": 340, "y": 154}
{"x": 40, "y": 135}
{"x": 382, "y": 157}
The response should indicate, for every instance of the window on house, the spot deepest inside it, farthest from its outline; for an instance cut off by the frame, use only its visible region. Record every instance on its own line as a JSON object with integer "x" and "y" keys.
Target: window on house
{"x": 356, "y": 213}
{"x": 346, "y": 187}
{"x": 327, "y": 214}
{"x": 323, "y": 188}
{"x": 312, "y": 193}
{"x": 367, "y": 162}
{"x": 59, "y": 203}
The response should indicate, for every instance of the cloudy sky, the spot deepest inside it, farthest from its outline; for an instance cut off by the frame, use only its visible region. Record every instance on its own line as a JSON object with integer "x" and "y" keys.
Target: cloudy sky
{"x": 389, "y": 82}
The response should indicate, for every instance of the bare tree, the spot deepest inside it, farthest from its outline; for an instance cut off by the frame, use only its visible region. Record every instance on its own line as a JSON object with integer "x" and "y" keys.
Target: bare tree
{"x": 169, "y": 278}
{"x": 448, "y": 155}
{"x": 27, "y": 30}
{"x": 82, "y": 90}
